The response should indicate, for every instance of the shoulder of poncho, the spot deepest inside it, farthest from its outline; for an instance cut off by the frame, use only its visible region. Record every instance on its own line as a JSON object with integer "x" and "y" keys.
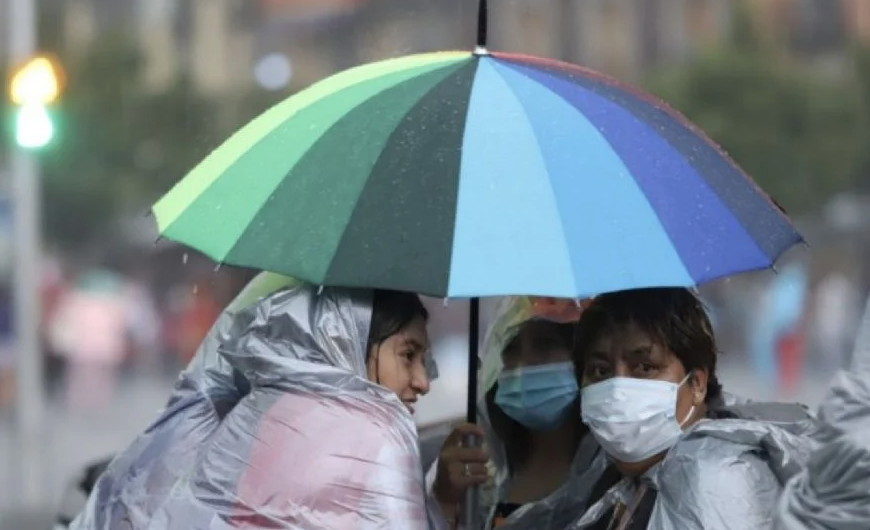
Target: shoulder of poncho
{"x": 706, "y": 454}
{"x": 355, "y": 413}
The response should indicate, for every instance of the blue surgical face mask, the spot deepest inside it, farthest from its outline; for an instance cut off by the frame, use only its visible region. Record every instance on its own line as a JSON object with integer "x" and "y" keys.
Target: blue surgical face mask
{"x": 539, "y": 397}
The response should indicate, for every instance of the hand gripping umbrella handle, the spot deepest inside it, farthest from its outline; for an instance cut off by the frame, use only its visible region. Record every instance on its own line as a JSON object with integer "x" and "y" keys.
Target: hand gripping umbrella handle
{"x": 471, "y": 516}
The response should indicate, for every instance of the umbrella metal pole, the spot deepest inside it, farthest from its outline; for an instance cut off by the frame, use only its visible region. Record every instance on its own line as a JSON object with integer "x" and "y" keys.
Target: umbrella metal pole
{"x": 482, "y": 23}
{"x": 471, "y": 500}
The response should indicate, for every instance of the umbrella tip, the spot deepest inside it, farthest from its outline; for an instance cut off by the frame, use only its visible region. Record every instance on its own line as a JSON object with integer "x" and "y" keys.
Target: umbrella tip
{"x": 482, "y": 19}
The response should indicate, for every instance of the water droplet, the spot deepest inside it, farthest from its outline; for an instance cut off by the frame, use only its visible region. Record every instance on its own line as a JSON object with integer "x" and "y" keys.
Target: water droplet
{"x": 195, "y": 288}
{"x": 184, "y": 258}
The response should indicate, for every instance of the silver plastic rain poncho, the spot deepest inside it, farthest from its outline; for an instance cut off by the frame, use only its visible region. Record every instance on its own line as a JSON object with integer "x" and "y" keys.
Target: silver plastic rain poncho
{"x": 725, "y": 473}
{"x": 833, "y": 491}
{"x": 565, "y": 504}
{"x": 274, "y": 425}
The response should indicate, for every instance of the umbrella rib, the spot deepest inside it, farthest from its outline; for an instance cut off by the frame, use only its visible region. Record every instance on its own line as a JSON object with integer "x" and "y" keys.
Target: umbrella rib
{"x": 679, "y": 120}
{"x": 604, "y": 138}
{"x": 434, "y": 87}
{"x": 531, "y": 126}
{"x": 650, "y": 99}
{"x": 266, "y": 123}
{"x": 324, "y": 137}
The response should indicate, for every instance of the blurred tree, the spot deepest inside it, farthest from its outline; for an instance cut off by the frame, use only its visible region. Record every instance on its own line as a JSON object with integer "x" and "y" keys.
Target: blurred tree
{"x": 799, "y": 136}
{"x": 119, "y": 146}
{"x": 862, "y": 77}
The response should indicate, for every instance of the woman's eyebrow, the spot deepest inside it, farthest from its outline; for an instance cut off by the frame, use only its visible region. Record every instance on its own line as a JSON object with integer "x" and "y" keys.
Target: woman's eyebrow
{"x": 597, "y": 356}
{"x": 639, "y": 352}
{"x": 414, "y": 344}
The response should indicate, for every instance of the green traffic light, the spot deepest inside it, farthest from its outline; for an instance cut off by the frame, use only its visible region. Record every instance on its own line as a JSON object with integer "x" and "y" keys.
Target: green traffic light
{"x": 34, "y": 128}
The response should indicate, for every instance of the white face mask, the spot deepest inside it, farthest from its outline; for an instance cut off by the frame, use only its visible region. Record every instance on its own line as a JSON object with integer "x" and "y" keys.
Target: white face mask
{"x": 633, "y": 419}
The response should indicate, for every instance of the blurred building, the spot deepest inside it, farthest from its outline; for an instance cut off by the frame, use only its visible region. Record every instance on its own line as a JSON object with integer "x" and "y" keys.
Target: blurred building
{"x": 208, "y": 40}
{"x": 217, "y": 41}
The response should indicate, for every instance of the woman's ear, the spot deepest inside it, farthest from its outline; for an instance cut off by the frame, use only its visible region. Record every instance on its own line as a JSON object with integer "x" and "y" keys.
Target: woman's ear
{"x": 372, "y": 363}
{"x": 698, "y": 381}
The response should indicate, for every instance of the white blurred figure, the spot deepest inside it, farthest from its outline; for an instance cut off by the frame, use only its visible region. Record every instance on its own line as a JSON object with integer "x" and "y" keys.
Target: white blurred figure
{"x": 7, "y": 349}
{"x": 89, "y": 329}
{"x": 447, "y": 397}
{"x": 837, "y": 310}
{"x": 144, "y": 324}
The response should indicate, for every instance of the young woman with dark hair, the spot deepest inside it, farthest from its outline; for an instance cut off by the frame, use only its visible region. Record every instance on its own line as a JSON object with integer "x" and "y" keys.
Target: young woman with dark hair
{"x": 531, "y": 424}
{"x": 398, "y": 345}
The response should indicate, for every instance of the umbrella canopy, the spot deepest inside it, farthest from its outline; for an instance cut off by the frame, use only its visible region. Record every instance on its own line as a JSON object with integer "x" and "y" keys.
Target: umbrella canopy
{"x": 465, "y": 174}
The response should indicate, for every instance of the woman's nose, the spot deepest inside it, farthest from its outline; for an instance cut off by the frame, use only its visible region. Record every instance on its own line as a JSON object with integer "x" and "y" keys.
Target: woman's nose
{"x": 420, "y": 382}
{"x": 621, "y": 369}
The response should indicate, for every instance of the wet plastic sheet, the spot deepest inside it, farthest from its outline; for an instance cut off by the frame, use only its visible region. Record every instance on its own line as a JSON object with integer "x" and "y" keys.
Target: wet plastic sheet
{"x": 274, "y": 425}
{"x": 833, "y": 491}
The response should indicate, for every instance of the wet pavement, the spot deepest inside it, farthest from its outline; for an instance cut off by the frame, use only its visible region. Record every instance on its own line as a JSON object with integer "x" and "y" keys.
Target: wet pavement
{"x": 70, "y": 442}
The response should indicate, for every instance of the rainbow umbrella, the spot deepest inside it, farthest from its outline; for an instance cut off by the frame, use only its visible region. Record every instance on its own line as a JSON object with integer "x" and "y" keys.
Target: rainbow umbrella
{"x": 465, "y": 174}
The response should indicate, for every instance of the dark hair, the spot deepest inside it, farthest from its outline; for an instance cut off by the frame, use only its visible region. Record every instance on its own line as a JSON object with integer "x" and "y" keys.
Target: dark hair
{"x": 673, "y": 317}
{"x": 515, "y": 436}
{"x": 392, "y": 311}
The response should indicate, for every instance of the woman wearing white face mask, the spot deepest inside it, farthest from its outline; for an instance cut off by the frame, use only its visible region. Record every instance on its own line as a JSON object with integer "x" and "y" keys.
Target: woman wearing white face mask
{"x": 647, "y": 368}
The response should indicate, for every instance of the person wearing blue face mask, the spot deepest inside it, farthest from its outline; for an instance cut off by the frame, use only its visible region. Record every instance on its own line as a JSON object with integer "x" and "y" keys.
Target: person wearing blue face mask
{"x": 539, "y": 396}
{"x": 530, "y": 418}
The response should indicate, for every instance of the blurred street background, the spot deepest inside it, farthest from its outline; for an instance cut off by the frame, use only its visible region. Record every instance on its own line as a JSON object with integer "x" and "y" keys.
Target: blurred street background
{"x": 151, "y": 86}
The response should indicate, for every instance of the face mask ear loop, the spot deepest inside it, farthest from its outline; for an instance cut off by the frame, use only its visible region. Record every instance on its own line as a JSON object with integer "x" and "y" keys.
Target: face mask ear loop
{"x": 686, "y": 379}
{"x": 689, "y": 414}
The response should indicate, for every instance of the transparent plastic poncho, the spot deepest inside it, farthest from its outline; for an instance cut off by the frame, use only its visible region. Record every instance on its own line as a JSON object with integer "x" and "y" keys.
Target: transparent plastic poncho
{"x": 273, "y": 426}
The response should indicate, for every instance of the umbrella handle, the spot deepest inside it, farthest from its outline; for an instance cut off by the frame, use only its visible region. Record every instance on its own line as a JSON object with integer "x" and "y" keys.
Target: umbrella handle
{"x": 472, "y": 505}
{"x": 473, "y": 358}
